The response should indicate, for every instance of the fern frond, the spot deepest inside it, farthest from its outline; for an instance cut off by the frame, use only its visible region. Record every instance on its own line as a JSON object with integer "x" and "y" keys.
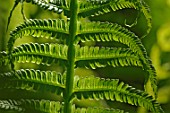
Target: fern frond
{"x": 10, "y": 105}
{"x": 101, "y": 57}
{"x": 112, "y": 89}
{"x": 33, "y": 80}
{"x": 146, "y": 11}
{"x": 98, "y": 110}
{"x": 45, "y": 54}
{"x": 97, "y": 7}
{"x": 57, "y": 6}
{"x": 43, "y": 106}
{"x": 55, "y": 29}
{"x": 4, "y": 59}
{"x": 102, "y": 31}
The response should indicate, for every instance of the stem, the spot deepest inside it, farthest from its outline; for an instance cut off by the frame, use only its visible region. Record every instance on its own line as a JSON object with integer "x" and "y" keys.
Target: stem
{"x": 71, "y": 56}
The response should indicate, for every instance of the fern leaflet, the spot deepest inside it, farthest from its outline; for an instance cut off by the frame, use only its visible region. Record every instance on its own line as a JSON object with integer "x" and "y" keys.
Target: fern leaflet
{"x": 57, "y": 29}
{"x": 98, "y": 88}
{"x": 10, "y": 105}
{"x": 95, "y": 7}
{"x": 32, "y": 80}
{"x": 101, "y": 57}
{"x": 40, "y": 53}
{"x": 98, "y": 31}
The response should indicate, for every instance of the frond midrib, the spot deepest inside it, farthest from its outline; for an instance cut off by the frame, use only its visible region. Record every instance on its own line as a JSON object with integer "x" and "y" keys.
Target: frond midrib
{"x": 111, "y": 30}
{"x": 95, "y": 32}
{"x": 96, "y": 57}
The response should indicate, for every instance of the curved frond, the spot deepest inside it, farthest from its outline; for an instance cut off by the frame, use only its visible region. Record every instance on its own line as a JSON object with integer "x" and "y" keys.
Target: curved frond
{"x": 101, "y": 57}
{"x": 10, "y": 105}
{"x": 52, "y": 5}
{"x": 146, "y": 11}
{"x": 43, "y": 106}
{"x": 33, "y": 80}
{"x": 112, "y": 89}
{"x": 55, "y": 29}
{"x": 97, "y": 7}
{"x": 102, "y": 31}
{"x": 98, "y": 110}
{"x": 40, "y": 53}
{"x": 57, "y": 6}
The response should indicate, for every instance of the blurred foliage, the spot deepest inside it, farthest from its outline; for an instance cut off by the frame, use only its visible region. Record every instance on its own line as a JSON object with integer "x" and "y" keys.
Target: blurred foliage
{"x": 157, "y": 43}
{"x": 160, "y": 49}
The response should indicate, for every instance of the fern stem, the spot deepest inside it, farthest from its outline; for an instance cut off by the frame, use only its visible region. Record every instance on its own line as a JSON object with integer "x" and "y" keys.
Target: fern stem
{"x": 71, "y": 56}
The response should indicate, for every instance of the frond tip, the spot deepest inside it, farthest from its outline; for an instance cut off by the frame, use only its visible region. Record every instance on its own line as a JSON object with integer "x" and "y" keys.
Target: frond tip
{"x": 112, "y": 89}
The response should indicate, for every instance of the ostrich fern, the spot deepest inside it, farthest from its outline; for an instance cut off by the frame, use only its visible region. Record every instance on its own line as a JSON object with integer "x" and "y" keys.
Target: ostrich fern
{"x": 71, "y": 55}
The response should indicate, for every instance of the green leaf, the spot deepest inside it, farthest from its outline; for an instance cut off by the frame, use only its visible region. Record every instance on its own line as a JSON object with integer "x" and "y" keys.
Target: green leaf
{"x": 101, "y": 57}
{"x": 112, "y": 89}
{"x": 10, "y": 105}
{"x": 33, "y": 80}
{"x": 53, "y": 29}
{"x": 43, "y": 106}
{"x": 45, "y": 54}
{"x": 104, "y": 31}
{"x": 46, "y": 5}
{"x": 97, "y": 7}
{"x": 146, "y": 11}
